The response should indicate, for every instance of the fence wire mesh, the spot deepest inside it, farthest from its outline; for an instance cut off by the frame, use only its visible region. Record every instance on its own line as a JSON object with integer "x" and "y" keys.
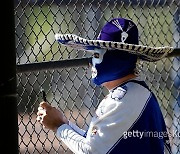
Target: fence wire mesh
{"x": 71, "y": 89}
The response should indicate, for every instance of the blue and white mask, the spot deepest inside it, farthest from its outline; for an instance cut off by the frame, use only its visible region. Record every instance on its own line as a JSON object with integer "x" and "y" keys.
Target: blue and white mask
{"x": 110, "y": 65}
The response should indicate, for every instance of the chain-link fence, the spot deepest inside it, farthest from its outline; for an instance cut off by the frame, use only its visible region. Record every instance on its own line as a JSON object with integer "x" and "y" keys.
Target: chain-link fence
{"x": 71, "y": 89}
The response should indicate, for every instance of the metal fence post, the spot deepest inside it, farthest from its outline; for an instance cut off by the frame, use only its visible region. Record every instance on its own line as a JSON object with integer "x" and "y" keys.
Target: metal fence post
{"x": 8, "y": 102}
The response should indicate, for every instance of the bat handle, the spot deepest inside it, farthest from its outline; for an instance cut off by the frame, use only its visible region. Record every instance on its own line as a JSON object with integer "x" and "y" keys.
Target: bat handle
{"x": 44, "y": 95}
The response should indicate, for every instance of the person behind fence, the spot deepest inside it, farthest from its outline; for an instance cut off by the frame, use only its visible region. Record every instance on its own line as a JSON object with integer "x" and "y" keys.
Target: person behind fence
{"x": 129, "y": 119}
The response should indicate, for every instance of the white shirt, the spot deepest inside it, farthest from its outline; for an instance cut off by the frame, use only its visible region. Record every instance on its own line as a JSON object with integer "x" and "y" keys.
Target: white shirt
{"x": 115, "y": 115}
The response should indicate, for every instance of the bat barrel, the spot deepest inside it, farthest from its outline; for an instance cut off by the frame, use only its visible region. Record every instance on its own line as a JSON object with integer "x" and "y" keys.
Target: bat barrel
{"x": 174, "y": 53}
{"x": 52, "y": 65}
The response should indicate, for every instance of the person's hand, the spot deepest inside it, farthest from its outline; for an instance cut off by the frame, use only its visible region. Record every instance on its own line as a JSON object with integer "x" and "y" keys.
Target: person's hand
{"x": 50, "y": 117}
